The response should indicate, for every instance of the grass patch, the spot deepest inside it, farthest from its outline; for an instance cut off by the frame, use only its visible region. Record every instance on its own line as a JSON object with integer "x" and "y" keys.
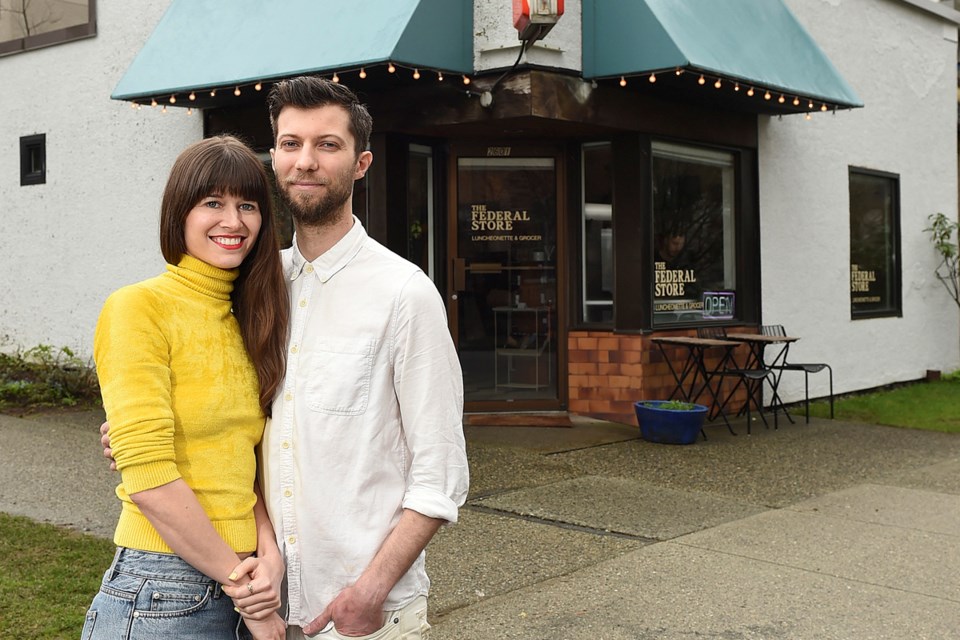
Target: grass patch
{"x": 44, "y": 376}
{"x": 48, "y": 576}
{"x": 932, "y": 406}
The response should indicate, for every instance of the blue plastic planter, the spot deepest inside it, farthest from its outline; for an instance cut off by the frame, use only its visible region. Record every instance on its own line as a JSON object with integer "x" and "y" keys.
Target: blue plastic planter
{"x": 669, "y": 426}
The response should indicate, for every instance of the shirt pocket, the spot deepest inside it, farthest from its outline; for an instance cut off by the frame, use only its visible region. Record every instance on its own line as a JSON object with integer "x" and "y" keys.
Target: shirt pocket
{"x": 338, "y": 372}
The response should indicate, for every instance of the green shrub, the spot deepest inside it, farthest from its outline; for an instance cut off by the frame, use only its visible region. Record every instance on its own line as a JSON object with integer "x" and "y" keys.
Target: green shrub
{"x": 45, "y": 376}
{"x": 672, "y": 405}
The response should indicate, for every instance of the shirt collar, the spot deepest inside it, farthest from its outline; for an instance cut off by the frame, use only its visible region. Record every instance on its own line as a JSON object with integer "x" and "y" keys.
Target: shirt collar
{"x": 327, "y": 264}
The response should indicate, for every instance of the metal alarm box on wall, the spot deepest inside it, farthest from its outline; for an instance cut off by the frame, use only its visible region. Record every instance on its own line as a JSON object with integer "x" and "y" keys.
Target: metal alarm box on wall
{"x": 534, "y": 18}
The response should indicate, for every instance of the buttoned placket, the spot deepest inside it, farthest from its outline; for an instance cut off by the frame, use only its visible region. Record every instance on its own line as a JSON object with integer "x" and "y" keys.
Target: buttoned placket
{"x": 287, "y": 450}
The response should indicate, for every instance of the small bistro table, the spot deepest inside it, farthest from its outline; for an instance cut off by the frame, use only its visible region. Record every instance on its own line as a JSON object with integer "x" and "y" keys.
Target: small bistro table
{"x": 694, "y": 377}
{"x": 756, "y": 358}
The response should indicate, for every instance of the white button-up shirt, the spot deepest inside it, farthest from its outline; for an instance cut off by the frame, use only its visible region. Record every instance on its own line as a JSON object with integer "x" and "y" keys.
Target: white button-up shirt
{"x": 368, "y": 421}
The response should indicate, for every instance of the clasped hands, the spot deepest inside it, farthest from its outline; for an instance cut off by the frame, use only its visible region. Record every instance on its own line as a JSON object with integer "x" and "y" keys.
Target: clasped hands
{"x": 251, "y": 585}
{"x": 255, "y": 598}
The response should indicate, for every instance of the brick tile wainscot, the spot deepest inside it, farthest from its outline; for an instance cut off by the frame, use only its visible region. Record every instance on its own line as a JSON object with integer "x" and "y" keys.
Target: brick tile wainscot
{"x": 608, "y": 372}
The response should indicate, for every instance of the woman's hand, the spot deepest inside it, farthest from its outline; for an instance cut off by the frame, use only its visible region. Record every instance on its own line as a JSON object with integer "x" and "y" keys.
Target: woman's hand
{"x": 272, "y": 628}
{"x": 256, "y": 592}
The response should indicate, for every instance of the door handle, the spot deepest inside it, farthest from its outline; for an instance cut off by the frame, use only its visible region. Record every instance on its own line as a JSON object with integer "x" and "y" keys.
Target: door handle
{"x": 459, "y": 274}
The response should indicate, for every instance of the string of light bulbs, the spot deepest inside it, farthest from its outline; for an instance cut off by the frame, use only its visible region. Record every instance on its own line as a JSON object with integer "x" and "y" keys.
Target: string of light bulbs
{"x": 238, "y": 89}
{"x": 718, "y": 82}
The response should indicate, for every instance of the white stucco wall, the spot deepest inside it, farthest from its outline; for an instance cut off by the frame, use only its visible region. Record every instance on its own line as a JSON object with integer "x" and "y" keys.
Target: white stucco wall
{"x": 496, "y": 46}
{"x": 65, "y": 245}
{"x": 902, "y": 63}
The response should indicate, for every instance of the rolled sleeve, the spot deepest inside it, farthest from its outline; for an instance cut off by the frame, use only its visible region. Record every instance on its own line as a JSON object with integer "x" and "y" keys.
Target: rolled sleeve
{"x": 429, "y": 386}
{"x": 132, "y": 360}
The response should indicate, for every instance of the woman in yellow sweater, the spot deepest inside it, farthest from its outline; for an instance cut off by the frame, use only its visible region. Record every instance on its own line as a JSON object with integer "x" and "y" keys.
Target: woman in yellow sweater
{"x": 188, "y": 363}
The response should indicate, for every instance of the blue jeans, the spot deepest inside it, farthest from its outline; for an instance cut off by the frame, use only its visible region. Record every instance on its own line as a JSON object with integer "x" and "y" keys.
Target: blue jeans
{"x": 156, "y": 595}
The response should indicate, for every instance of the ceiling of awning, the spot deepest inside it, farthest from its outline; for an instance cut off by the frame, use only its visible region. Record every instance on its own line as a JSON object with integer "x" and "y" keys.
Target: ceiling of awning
{"x": 203, "y": 44}
{"x": 754, "y": 42}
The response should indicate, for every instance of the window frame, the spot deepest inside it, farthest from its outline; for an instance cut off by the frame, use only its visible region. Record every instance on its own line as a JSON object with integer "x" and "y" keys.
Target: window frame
{"x": 55, "y": 37}
{"x": 581, "y": 222}
{"x": 707, "y": 154}
{"x": 895, "y": 307}
{"x": 27, "y": 145}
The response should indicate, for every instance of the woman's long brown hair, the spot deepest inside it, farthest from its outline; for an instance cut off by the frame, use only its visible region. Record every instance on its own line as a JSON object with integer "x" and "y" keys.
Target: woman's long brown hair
{"x": 224, "y": 164}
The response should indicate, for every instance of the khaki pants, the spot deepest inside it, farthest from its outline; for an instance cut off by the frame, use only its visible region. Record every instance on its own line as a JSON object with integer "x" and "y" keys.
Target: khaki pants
{"x": 408, "y": 623}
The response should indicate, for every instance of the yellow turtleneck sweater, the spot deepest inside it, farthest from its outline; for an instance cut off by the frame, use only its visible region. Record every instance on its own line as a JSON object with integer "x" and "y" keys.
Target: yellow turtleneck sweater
{"x": 180, "y": 394}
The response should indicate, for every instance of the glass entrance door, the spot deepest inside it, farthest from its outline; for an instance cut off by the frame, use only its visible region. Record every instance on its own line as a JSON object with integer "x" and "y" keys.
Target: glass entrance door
{"x": 505, "y": 279}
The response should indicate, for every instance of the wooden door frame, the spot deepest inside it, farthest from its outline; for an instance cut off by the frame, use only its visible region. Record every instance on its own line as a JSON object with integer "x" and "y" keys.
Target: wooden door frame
{"x": 514, "y": 149}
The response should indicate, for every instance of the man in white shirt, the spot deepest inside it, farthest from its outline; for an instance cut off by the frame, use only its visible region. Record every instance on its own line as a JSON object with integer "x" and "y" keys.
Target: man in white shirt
{"x": 364, "y": 458}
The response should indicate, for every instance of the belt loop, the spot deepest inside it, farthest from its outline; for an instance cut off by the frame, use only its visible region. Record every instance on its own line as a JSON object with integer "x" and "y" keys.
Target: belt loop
{"x": 112, "y": 571}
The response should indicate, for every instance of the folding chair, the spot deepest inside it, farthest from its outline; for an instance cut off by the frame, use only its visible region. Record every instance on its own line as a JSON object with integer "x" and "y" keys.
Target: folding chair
{"x": 806, "y": 367}
{"x": 752, "y": 379}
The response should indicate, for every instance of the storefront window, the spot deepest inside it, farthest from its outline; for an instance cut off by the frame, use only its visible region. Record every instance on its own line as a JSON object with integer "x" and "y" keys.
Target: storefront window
{"x": 597, "y": 234}
{"x": 694, "y": 243}
{"x": 31, "y": 24}
{"x": 874, "y": 244}
{"x": 420, "y": 224}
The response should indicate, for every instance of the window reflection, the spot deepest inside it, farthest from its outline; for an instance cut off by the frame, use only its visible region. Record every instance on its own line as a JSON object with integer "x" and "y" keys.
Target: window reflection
{"x": 597, "y": 233}
{"x": 874, "y": 243}
{"x": 30, "y": 24}
{"x": 694, "y": 242}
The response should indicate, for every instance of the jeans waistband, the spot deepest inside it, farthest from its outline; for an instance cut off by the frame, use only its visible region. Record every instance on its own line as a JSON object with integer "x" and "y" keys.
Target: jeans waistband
{"x": 147, "y": 564}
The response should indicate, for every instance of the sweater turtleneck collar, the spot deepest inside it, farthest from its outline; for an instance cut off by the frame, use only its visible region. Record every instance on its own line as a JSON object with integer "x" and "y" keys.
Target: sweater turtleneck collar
{"x": 205, "y": 278}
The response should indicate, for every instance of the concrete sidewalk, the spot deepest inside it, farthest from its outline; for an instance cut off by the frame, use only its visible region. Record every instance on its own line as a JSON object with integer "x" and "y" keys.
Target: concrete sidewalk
{"x": 827, "y": 530}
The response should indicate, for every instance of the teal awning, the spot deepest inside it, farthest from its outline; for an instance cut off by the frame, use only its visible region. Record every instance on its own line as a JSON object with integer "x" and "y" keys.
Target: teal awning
{"x": 201, "y": 44}
{"x": 755, "y": 42}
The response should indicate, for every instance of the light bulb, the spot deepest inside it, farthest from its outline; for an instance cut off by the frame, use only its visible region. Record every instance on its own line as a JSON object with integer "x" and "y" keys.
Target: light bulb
{"x": 236, "y": 91}
{"x": 335, "y": 78}
{"x": 391, "y": 68}
{"x": 796, "y": 102}
{"x": 807, "y": 116}
{"x": 736, "y": 86}
{"x": 702, "y": 80}
{"x": 363, "y": 73}
{"x": 823, "y": 107}
{"x": 173, "y": 99}
{"x": 466, "y": 80}
{"x": 439, "y": 76}
{"x": 623, "y": 81}
{"x": 678, "y": 71}
{"x": 134, "y": 105}
{"x": 153, "y": 102}
{"x": 652, "y": 78}
{"x": 781, "y": 99}
{"x": 190, "y": 111}
{"x": 213, "y": 93}
{"x": 750, "y": 92}
{"x": 258, "y": 86}
{"x": 193, "y": 96}
{"x": 164, "y": 110}
{"x": 766, "y": 96}
{"x": 416, "y": 74}
{"x": 716, "y": 85}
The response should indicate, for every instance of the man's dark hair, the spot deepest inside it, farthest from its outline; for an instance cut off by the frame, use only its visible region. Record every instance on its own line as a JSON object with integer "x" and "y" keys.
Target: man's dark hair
{"x": 310, "y": 92}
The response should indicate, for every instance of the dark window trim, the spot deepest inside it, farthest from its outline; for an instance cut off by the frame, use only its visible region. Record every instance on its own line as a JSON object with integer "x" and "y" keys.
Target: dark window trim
{"x": 27, "y": 144}
{"x": 896, "y": 302}
{"x": 57, "y": 36}
{"x": 746, "y": 234}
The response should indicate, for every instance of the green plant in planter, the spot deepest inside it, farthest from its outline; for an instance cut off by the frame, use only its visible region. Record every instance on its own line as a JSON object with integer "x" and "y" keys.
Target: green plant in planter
{"x": 672, "y": 405}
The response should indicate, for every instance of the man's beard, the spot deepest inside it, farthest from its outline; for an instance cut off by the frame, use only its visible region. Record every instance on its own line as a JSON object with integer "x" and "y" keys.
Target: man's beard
{"x": 321, "y": 211}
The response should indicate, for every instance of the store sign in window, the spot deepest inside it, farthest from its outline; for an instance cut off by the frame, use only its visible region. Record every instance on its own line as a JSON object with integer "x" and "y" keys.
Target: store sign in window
{"x": 874, "y": 244}
{"x": 694, "y": 241}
